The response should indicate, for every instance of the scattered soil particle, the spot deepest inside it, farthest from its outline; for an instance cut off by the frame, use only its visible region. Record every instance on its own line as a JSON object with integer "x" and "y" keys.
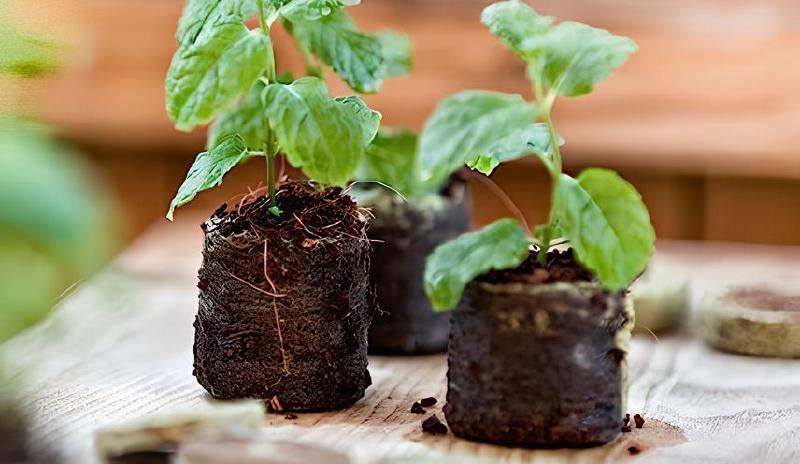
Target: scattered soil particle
{"x": 271, "y": 306}
{"x": 626, "y": 428}
{"x": 404, "y": 234}
{"x": 639, "y": 420}
{"x": 634, "y": 450}
{"x": 417, "y": 408}
{"x": 626, "y": 420}
{"x": 434, "y": 426}
{"x": 291, "y": 416}
{"x": 427, "y": 402}
{"x": 560, "y": 267}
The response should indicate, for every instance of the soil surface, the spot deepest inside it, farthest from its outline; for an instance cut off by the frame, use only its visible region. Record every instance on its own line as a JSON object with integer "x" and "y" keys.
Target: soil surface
{"x": 535, "y": 364}
{"x": 763, "y": 298}
{"x": 403, "y": 235}
{"x": 284, "y": 301}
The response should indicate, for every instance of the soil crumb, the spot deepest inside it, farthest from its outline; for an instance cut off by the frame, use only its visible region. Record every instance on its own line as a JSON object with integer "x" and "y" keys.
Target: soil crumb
{"x": 560, "y": 266}
{"x": 434, "y": 426}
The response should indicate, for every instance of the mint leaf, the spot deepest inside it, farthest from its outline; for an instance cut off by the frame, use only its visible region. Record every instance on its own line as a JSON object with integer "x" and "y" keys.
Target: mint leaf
{"x": 500, "y": 245}
{"x": 514, "y": 22}
{"x": 201, "y": 17}
{"x": 398, "y": 52}
{"x": 313, "y": 9}
{"x": 356, "y": 57}
{"x": 208, "y": 170}
{"x": 467, "y": 124}
{"x": 607, "y": 224}
{"x": 533, "y": 139}
{"x": 571, "y": 58}
{"x": 391, "y": 159}
{"x": 325, "y": 137}
{"x": 209, "y": 75}
{"x": 248, "y": 119}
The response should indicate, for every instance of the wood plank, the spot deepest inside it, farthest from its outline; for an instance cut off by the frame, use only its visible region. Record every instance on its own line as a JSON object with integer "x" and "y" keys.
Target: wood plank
{"x": 120, "y": 347}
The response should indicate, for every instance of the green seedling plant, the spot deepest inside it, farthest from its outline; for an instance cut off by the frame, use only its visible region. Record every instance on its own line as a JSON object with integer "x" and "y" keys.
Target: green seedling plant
{"x": 601, "y": 215}
{"x": 224, "y": 71}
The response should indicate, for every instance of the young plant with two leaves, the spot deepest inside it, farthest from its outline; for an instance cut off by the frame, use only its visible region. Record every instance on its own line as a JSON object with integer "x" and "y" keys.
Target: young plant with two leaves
{"x": 225, "y": 71}
{"x": 601, "y": 215}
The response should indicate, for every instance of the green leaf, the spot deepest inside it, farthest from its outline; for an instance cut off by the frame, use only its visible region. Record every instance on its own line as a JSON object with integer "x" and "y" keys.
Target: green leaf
{"x": 248, "y": 119}
{"x": 209, "y": 75}
{"x": 467, "y": 124}
{"x": 533, "y": 139}
{"x": 312, "y": 9}
{"x": 356, "y": 57}
{"x": 325, "y": 137}
{"x": 398, "y": 54}
{"x": 572, "y": 58}
{"x": 500, "y": 245}
{"x": 208, "y": 170}
{"x": 391, "y": 159}
{"x": 201, "y": 18}
{"x": 513, "y": 22}
{"x": 607, "y": 224}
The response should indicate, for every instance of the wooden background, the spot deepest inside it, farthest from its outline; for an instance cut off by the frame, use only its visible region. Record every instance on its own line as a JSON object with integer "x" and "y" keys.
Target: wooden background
{"x": 705, "y": 119}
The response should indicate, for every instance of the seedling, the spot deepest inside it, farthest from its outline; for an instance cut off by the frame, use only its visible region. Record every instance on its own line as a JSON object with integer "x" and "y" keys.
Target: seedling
{"x": 225, "y": 71}
{"x": 599, "y": 213}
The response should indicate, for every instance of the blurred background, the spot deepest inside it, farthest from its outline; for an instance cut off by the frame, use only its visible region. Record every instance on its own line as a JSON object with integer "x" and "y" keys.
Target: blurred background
{"x": 704, "y": 120}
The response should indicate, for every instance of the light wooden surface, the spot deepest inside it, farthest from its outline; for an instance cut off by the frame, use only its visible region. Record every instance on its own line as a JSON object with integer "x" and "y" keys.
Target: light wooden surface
{"x": 120, "y": 346}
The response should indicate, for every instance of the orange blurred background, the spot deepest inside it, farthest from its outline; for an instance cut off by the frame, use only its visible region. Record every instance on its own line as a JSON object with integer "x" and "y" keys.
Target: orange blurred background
{"x": 704, "y": 120}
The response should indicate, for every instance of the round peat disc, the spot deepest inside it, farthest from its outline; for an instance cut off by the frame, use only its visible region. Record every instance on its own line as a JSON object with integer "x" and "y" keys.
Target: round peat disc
{"x": 660, "y": 298}
{"x": 761, "y": 320}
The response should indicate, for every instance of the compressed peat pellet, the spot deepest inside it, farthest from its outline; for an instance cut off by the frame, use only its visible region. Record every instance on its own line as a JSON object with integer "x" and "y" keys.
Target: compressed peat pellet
{"x": 284, "y": 301}
{"x": 538, "y": 364}
{"x": 761, "y": 320}
{"x": 660, "y": 298}
{"x": 404, "y": 233}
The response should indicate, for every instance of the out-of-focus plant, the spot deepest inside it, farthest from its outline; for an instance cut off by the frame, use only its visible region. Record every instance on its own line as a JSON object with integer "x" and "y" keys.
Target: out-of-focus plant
{"x": 52, "y": 224}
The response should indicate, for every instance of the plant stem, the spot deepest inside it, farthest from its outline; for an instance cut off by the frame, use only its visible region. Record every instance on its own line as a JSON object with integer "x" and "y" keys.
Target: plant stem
{"x": 270, "y": 148}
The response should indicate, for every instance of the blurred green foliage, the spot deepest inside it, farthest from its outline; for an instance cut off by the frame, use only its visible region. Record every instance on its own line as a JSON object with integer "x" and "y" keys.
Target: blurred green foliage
{"x": 53, "y": 224}
{"x": 23, "y": 54}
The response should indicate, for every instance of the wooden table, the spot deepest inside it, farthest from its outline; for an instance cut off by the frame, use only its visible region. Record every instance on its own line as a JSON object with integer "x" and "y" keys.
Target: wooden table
{"x": 120, "y": 346}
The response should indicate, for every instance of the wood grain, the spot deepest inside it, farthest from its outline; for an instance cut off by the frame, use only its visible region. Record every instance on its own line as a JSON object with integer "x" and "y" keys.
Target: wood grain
{"x": 120, "y": 347}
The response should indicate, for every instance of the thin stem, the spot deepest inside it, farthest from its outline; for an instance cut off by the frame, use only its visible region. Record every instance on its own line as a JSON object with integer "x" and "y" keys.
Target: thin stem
{"x": 262, "y": 18}
{"x": 271, "y": 177}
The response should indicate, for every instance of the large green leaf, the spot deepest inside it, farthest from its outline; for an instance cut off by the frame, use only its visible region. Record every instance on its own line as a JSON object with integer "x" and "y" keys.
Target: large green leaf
{"x": 398, "y": 54}
{"x": 248, "y": 119}
{"x": 569, "y": 57}
{"x": 572, "y": 58}
{"x": 391, "y": 159}
{"x": 513, "y": 22}
{"x": 208, "y": 170}
{"x": 500, "y": 245}
{"x": 211, "y": 74}
{"x": 467, "y": 124}
{"x": 200, "y": 18}
{"x": 356, "y": 57}
{"x": 607, "y": 224}
{"x": 325, "y": 137}
{"x": 533, "y": 139}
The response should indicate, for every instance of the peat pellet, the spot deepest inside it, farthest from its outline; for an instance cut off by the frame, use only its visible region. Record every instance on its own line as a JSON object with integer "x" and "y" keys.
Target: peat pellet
{"x": 660, "y": 298}
{"x": 761, "y": 320}
{"x": 285, "y": 307}
{"x": 404, "y": 232}
{"x": 538, "y": 365}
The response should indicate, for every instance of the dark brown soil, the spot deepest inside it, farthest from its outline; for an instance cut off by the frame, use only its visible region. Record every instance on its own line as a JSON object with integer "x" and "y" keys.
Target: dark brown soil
{"x": 560, "y": 267}
{"x": 13, "y": 433}
{"x": 763, "y": 298}
{"x": 291, "y": 328}
{"x": 403, "y": 237}
{"x": 434, "y": 426}
{"x": 534, "y": 364}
